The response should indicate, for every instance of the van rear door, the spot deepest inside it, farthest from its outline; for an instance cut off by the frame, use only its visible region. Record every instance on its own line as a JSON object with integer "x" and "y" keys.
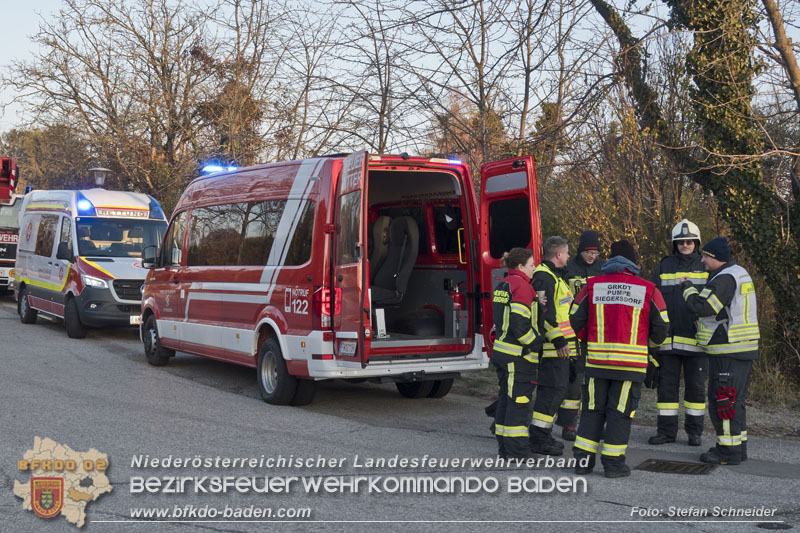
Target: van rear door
{"x": 509, "y": 218}
{"x": 350, "y": 308}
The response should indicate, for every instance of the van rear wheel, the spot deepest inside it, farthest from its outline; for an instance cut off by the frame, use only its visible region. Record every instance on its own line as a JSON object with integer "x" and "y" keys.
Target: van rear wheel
{"x": 75, "y": 328}
{"x": 154, "y": 352}
{"x": 415, "y": 389}
{"x": 441, "y": 387}
{"x": 27, "y": 314}
{"x": 275, "y": 384}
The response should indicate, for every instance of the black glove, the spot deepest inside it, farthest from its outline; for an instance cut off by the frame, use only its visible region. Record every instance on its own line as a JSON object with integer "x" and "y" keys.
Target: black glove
{"x": 653, "y": 369}
{"x": 573, "y": 369}
{"x": 490, "y": 409}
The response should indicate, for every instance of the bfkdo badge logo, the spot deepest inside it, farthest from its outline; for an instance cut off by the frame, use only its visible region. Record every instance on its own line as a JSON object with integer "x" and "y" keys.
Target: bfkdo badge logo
{"x": 47, "y": 495}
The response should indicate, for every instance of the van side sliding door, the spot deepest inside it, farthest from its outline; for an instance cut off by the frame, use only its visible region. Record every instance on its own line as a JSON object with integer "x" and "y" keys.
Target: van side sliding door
{"x": 349, "y": 261}
{"x": 509, "y": 218}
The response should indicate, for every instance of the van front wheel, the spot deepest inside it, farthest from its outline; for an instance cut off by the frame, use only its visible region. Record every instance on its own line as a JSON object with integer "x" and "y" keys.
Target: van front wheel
{"x": 75, "y": 328}
{"x": 27, "y": 314}
{"x": 415, "y": 389}
{"x": 275, "y": 384}
{"x": 155, "y": 354}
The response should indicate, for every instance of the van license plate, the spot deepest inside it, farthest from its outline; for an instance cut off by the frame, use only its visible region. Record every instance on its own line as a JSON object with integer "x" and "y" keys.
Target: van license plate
{"x": 136, "y": 319}
{"x": 347, "y": 347}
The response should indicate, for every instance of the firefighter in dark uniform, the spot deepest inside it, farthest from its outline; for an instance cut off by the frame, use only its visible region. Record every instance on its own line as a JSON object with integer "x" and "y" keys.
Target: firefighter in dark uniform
{"x": 728, "y": 332}
{"x": 617, "y": 314}
{"x": 515, "y": 353}
{"x": 549, "y": 284}
{"x": 680, "y": 349}
{"x": 584, "y": 265}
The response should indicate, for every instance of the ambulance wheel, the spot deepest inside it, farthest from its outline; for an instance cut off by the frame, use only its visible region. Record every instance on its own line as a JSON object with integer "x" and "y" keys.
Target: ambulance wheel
{"x": 155, "y": 354}
{"x": 416, "y": 389}
{"x": 75, "y": 328}
{"x": 306, "y": 389}
{"x": 275, "y": 384}
{"x": 27, "y": 314}
{"x": 441, "y": 387}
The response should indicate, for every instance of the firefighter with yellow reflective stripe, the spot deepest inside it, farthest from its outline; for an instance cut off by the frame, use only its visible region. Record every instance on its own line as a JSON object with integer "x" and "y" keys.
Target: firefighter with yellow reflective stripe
{"x": 585, "y": 265}
{"x": 515, "y": 353}
{"x": 728, "y": 332}
{"x": 617, "y": 315}
{"x": 680, "y": 349}
{"x": 549, "y": 284}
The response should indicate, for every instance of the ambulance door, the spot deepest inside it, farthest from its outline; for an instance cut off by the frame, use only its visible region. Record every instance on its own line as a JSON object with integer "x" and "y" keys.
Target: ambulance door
{"x": 509, "y": 218}
{"x": 62, "y": 264}
{"x": 349, "y": 302}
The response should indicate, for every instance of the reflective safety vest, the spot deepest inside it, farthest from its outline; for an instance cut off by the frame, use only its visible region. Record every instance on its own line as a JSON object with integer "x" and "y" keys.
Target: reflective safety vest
{"x": 742, "y": 322}
{"x": 503, "y": 305}
{"x": 563, "y": 301}
{"x": 619, "y": 323}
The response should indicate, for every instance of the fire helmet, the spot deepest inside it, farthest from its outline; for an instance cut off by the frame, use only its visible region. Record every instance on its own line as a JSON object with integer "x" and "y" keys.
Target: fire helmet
{"x": 686, "y": 230}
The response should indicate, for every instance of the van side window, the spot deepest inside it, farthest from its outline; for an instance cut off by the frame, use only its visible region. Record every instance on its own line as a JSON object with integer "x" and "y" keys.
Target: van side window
{"x": 66, "y": 233}
{"x": 47, "y": 235}
{"x": 171, "y": 253}
{"x": 244, "y": 234}
{"x": 348, "y": 226}
{"x": 507, "y": 229}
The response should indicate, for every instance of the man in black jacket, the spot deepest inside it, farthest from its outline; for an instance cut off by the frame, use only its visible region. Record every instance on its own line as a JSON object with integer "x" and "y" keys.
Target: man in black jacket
{"x": 585, "y": 265}
{"x": 680, "y": 349}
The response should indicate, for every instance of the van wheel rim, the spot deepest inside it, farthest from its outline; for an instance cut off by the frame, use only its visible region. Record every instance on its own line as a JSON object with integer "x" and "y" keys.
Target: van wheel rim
{"x": 25, "y": 305}
{"x": 152, "y": 339}
{"x": 269, "y": 373}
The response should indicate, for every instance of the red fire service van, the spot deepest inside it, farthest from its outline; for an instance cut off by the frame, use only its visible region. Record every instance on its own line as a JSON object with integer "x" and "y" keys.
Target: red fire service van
{"x": 355, "y": 267}
{"x": 79, "y": 256}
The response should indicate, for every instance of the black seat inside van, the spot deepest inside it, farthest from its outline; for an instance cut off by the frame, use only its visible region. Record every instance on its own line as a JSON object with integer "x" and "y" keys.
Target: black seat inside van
{"x": 391, "y": 278}
{"x": 379, "y": 245}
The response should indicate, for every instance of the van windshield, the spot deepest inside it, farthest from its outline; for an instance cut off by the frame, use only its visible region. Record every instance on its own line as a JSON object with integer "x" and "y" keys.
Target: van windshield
{"x": 9, "y": 215}
{"x": 117, "y": 237}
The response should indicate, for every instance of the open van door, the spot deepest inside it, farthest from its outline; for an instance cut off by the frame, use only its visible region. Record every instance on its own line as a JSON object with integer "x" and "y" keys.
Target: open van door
{"x": 350, "y": 319}
{"x": 509, "y": 218}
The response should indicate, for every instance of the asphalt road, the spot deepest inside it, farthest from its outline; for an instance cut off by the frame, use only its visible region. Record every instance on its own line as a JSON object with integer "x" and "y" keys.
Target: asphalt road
{"x": 100, "y": 393}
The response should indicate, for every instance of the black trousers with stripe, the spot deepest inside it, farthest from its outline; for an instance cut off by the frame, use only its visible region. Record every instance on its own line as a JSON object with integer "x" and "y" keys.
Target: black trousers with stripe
{"x": 610, "y": 403}
{"x": 729, "y": 372}
{"x": 553, "y": 381}
{"x": 571, "y": 404}
{"x": 695, "y": 372}
{"x": 516, "y": 378}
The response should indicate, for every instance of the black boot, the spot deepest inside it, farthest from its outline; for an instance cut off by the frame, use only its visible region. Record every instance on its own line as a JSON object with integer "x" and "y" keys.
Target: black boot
{"x": 695, "y": 440}
{"x": 568, "y": 433}
{"x": 501, "y": 448}
{"x": 580, "y": 456}
{"x": 716, "y": 457}
{"x": 542, "y": 442}
{"x": 744, "y": 450}
{"x": 614, "y": 467}
{"x": 660, "y": 438}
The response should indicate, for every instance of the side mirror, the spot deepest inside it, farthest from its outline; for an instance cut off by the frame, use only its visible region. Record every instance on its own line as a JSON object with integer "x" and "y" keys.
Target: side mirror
{"x": 64, "y": 252}
{"x": 149, "y": 254}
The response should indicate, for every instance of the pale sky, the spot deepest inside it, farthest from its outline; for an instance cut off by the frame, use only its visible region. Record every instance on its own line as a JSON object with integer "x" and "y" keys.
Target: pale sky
{"x": 20, "y": 22}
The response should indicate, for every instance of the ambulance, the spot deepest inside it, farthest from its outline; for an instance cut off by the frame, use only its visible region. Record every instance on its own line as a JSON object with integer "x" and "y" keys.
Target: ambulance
{"x": 79, "y": 256}
{"x": 357, "y": 267}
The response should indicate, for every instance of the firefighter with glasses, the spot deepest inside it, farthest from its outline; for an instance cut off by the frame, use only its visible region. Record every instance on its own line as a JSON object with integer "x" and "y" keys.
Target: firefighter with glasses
{"x": 680, "y": 349}
{"x": 515, "y": 353}
{"x": 728, "y": 332}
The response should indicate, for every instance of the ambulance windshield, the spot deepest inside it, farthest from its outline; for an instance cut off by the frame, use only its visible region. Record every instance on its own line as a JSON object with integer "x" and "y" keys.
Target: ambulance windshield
{"x": 9, "y": 215}
{"x": 117, "y": 237}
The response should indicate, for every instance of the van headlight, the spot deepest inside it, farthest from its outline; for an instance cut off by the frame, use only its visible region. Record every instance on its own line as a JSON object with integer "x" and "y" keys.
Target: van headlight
{"x": 91, "y": 281}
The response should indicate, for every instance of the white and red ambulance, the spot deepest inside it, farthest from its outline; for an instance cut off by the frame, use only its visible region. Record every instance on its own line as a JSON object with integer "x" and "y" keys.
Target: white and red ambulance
{"x": 353, "y": 267}
{"x": 79, "y": 256}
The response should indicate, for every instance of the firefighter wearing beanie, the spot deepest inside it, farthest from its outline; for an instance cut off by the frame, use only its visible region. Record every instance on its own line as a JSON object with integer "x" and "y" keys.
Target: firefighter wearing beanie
{"x": 616, "y": 315}
{"x": 728, "y": 332}
{"x": 585, "y": 265}
{"x": 680, "y": 349}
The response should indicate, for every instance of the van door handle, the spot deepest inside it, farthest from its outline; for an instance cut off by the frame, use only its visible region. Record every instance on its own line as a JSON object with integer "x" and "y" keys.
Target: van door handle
{"x": 175, "y": 281}
{"x": 339, "y": 277}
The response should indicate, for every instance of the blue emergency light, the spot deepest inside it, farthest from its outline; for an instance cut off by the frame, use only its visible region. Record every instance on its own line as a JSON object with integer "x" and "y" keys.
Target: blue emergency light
{"x": 85, "y": 207}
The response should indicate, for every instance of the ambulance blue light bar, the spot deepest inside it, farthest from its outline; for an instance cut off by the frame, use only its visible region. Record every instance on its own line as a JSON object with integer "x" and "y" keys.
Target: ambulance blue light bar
{"x": 85, "y": 207}
{"x": 155, "y": 208}
{"x": 212, "y": 169}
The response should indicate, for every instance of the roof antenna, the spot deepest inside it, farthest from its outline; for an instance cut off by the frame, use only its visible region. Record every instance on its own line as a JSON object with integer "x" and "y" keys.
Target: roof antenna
{"x": 404, "y": 155}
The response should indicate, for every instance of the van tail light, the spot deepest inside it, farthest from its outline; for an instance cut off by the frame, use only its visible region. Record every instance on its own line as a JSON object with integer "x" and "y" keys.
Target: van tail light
{"x": 322, "y": 303}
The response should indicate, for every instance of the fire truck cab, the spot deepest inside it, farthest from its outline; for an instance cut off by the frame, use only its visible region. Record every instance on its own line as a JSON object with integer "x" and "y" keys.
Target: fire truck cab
{"x": 9, "y": 237}
{"x": 79, "y": 256}
{"x": 353, "y": 267}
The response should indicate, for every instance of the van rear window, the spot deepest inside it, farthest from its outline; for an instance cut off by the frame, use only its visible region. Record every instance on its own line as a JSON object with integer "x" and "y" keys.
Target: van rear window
{"x": 251, "y": 234}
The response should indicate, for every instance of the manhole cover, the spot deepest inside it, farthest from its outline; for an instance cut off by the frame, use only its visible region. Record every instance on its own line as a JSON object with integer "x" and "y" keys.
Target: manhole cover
{"x": 675, "y": 467}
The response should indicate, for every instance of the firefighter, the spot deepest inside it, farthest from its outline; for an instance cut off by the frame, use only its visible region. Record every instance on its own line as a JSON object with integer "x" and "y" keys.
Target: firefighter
{"x": 554, "y": 365}
{"x": 680, "y": 349}
{"x": 728, "y": 332}
{"x": 616, "y": 314}
{"x": 583, "y": 266}
{"x": 515, "y": 353}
